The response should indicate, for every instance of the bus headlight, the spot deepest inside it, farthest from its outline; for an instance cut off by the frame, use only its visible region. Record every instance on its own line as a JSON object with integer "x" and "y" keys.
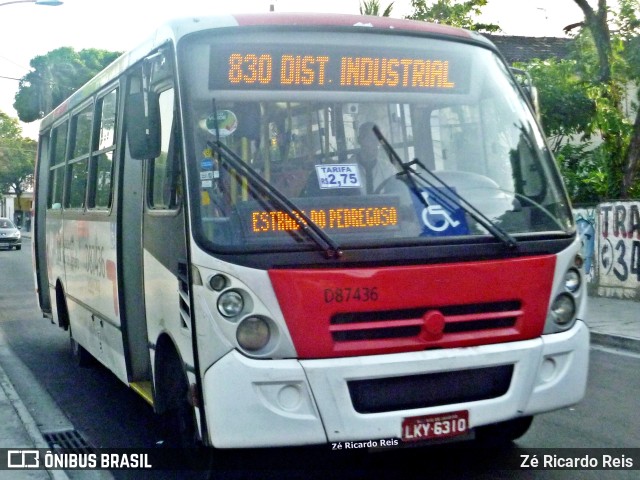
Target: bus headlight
{"x": 218, "y": 282}
{"x": 230, "y": 304}
{"x": 572, "y": 280}
{"x": 563, "y": 309}
{"x": 253, "y": 333}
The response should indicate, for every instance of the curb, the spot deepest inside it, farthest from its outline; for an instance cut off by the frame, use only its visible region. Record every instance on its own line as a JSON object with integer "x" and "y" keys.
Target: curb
{"x": 30, "y": 425}
{"x": 615, "y": 341}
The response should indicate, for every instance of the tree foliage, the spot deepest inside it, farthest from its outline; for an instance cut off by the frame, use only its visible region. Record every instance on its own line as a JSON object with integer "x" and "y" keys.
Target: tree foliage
{"x": 17, "y": 157}
{"x": 597, "y": 23}
{"x": 567, "y": 112}
{"x": 566, "y": 108}
{"x": 608, "y": 59}
{"x": 587, "y": 98}
{"x": 456, "y": 13}
{"x": 55, "y": 76}
{"x": 372, "y": 7}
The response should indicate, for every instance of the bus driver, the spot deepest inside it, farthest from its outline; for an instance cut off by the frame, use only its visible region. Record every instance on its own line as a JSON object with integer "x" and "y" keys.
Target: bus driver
{"x": 374, "y": 171}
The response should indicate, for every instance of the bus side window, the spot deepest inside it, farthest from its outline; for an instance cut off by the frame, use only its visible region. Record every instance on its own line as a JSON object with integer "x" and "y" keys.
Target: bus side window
{"x": 77, "y": 168}
{"x": 101, "y": 167}
{"x": 164, "y": 189}
{"x": 57, "y": 164}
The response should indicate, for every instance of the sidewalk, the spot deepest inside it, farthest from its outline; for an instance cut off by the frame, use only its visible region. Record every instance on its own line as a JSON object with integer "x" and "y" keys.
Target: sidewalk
{"x": 18, "y": 430}
{"x": 614, "y": 323}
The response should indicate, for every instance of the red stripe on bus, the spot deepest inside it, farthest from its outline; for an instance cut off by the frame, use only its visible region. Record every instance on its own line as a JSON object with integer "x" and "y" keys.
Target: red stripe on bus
{"x": 366, "y": 311}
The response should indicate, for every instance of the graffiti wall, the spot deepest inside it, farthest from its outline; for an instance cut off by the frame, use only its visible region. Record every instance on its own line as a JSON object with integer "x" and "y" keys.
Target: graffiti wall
{"x": 586, "y": 224}
{"x": 617, "y": 265}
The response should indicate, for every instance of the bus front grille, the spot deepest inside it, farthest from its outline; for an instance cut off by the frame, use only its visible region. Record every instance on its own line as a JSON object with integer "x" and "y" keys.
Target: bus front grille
{"x": 429, "y": 390}
{"x": 414, "y": 323}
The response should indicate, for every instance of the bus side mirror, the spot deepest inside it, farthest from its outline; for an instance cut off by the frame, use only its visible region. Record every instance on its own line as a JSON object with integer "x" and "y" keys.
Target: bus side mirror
{"x": 532, "y": 92}
{"x": 143, "y": 125}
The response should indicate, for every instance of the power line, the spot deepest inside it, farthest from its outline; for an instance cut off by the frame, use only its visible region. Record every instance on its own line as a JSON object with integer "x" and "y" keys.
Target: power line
{"x": 14, "y": 63}
{"x": 48, "y": 82}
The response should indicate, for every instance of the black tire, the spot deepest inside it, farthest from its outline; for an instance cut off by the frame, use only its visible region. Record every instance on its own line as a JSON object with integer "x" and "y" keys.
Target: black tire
{"x": 178, "y": 427}
{"x": 177, "y": 418}
{"x": 503, "y": 433}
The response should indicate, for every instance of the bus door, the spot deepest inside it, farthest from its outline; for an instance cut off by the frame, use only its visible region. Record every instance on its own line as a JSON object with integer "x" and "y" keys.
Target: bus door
{"x": 39, "y": 226}
{"x": 153, "y": 239}
{"x": 166, "y": 285}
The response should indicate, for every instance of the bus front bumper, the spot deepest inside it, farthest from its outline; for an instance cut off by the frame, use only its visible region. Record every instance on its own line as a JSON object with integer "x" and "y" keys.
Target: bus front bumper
{"x": 262, "y": 403}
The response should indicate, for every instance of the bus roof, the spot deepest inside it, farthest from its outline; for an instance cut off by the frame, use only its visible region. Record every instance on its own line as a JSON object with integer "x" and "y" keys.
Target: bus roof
{"x": 342, "y": 20}
{"x": 176, "y": 29}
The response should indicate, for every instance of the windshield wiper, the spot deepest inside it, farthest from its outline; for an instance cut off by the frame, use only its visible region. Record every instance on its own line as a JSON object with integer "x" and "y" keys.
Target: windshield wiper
{"x": 451, "y": 197}
{"x": 307, "y": 226}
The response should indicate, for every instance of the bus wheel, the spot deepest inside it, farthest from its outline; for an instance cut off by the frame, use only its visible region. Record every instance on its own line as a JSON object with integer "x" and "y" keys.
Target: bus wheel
{"x": 179, "y": 432}
{"x": 80, "y": 354}
{"x": 178, "y": 422}
{"x": 178, "y": 425}
{"x": 504, "y": 432}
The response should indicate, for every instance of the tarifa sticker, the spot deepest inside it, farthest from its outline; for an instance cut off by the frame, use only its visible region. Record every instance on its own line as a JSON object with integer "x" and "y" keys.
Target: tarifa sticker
{"x": 227, "y": 123}
{"x": 338, "y": 175}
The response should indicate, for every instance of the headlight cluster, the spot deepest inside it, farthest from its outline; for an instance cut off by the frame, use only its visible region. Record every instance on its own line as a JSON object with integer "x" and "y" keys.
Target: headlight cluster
{"x": 230, "y": 304}
{"x": 563, "y": 309}
{"x": 253, "y": 332}
{"x": 564, "y": 306}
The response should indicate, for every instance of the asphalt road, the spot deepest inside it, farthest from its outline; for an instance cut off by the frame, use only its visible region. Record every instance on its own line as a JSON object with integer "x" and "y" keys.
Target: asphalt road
{"x": 106, "y": 413}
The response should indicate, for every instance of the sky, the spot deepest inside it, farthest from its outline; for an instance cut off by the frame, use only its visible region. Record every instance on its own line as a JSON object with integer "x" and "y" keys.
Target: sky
{"x": 28, "y": 30}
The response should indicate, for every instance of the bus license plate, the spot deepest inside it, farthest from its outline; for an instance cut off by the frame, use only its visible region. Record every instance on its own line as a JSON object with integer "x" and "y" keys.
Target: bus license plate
{"x": 440, "y": 425}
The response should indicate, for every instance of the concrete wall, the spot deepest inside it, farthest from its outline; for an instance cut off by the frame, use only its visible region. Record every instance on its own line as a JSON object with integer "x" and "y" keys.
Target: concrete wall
{"x": 617, "y": 251}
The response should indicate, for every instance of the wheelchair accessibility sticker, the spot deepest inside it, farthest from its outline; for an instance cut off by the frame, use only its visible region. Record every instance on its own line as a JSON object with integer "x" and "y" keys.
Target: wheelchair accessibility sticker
{"x": 443, "y": 217}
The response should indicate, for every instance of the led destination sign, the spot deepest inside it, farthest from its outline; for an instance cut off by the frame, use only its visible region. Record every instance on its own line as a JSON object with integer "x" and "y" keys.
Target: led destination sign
{"x": 355, "y": 215}
{"x": 329, "y": 219}
{"x": 329, "y": 68}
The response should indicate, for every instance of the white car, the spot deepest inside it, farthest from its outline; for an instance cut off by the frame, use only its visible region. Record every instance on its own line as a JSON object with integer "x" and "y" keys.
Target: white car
{"x": 10, "y": 236}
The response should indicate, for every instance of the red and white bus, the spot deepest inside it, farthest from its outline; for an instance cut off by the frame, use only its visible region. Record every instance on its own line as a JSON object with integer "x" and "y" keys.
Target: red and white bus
{"x": 291, "y": 229}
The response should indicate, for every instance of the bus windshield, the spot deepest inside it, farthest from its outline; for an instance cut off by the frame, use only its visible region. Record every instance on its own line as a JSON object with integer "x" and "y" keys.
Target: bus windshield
{"x": 300, "y": 111}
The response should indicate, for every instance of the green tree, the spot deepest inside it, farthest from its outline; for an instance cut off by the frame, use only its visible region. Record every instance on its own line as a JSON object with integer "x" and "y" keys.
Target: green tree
{"x": 609, "y": 60}
{"x": 9, "y": 127}
{"x": 17, "y": 158}
{"x": 55, "y": 76}
{"x": 567, "y": 111}
{"x": 628, "y": 28}
{"x": 456, "y": 13}
{"x": 372, "y": 7}
{"x": 565, "y": 106}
